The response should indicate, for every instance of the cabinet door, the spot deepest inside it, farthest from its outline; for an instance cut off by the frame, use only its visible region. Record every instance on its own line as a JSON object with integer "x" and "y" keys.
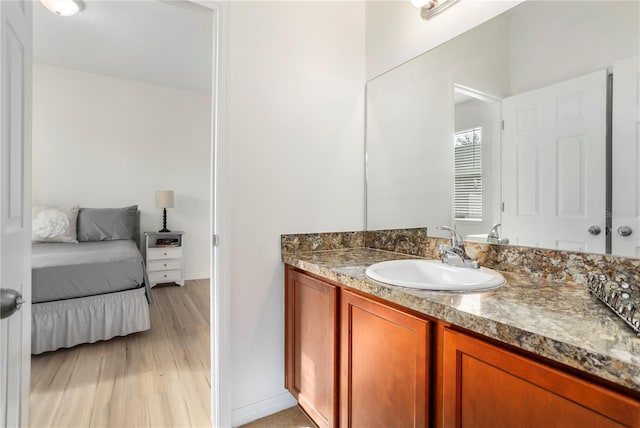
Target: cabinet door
{"x": 384, "y": 366}
{"x": 487, "y": 386}
{"x": 311, "y": 346}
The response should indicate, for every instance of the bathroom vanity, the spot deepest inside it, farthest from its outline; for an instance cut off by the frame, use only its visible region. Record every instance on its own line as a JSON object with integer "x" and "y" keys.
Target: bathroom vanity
{"x": 540, "y": 351}
{"x": 535, "y": 352}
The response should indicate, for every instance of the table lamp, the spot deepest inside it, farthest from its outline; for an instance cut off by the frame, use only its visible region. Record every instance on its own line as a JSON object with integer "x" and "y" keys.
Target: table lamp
{"x": 164, "y": 200}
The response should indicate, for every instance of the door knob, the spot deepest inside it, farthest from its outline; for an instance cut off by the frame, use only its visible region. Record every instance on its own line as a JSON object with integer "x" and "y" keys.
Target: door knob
{"x": 625, "y": 231}
{"x": 10, "y": 301}
{"x": 595, "y": 230}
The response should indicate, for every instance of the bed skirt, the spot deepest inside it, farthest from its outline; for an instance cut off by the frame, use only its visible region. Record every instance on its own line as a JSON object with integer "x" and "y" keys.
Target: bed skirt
{"x": 66, "y": 323}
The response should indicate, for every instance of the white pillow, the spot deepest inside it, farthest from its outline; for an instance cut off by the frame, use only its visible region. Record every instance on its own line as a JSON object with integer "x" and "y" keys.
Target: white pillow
{"x": 54, "y": 224}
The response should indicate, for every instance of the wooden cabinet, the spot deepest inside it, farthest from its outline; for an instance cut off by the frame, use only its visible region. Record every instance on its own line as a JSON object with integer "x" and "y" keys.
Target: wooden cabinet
{"x": 485, "y": 385}
{"x": 398, "y": 369}
{"x": 311, "y": 346}
{"x": 384, "y": 379}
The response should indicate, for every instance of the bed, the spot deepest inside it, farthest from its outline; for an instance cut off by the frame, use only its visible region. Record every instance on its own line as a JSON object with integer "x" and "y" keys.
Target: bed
{"x": 91, "y": 290}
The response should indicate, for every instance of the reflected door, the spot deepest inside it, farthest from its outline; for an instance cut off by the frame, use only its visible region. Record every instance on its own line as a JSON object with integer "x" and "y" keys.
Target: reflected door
{"x": 554, "y": 165}
{"x": 625, "y": 162}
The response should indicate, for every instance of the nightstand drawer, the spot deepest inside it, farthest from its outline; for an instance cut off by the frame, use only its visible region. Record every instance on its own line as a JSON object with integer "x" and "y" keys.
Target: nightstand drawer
{"x": 164, "y": 265}
{"x": 164, "y": 253}
{"x": 165, "y": 276}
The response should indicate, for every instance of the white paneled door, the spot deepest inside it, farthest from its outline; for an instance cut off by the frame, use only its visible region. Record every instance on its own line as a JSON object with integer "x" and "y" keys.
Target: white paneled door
{"x": 625, "y": 162}
{"x": 554, "y": 165}
{"x": 15, "y": 208}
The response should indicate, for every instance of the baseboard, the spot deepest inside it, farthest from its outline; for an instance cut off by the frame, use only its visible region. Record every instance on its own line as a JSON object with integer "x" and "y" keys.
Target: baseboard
{"x": 190, "y": 276}
{"x": 250, "y": 413}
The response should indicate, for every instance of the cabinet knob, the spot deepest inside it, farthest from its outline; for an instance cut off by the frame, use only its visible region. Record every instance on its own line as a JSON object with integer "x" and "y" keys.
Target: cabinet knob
{"x": 165, "y": 254}
{"x": 165, "y": 265}
{"x": 165, "y": 276}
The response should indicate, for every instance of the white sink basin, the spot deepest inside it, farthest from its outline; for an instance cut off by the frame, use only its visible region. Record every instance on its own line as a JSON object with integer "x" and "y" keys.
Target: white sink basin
{"x": 434, "y": 275}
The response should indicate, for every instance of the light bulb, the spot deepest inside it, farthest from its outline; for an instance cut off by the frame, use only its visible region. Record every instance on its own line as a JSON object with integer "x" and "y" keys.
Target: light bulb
{"x": 420, "y": 3}
{"x": 61, "y": 7}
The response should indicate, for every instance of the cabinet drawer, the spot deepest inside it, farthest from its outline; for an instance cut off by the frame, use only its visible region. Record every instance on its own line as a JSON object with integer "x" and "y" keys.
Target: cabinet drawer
{"x": 164, "y": 253}
{"x": 165, "y": 276}
{"x": 164, "y": 265}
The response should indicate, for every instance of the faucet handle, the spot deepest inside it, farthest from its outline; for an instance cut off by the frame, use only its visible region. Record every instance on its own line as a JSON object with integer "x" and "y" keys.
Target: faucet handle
{"x": 494, "y": 236}
{"x": 494, "y": 230}
{"x": 456, "y": 239}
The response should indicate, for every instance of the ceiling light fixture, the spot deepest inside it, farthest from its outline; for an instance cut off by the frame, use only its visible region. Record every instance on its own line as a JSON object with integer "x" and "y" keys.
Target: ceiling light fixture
{"x": 420, "y": 3}
{"x": 430, "y": 8}
{"x": 62, "y": 7}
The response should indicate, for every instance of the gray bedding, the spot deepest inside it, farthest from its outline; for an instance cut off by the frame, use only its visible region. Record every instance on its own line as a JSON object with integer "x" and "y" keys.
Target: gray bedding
{"x": 67, "y": 271}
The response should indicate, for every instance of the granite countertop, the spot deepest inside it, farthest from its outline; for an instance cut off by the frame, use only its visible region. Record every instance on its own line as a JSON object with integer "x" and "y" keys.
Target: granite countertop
{"x": 555, "y": 320}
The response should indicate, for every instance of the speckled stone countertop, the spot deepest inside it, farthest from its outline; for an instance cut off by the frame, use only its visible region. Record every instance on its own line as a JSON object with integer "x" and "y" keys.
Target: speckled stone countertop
{"x": 558, "y": 321}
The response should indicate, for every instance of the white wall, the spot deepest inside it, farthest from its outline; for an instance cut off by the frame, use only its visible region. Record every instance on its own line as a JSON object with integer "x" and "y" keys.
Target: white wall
{"x": 410, "y": 119}
{"x": 396, "y": 33}
{"x": 543, "y": 50}
{"x": 295, "y": 156}
{"x": 105, "y": 142}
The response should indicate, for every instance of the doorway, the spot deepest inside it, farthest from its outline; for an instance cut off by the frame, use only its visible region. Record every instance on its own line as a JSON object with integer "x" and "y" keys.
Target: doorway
{"x": 476, "y": 162}
{"x": 139, "y": 161}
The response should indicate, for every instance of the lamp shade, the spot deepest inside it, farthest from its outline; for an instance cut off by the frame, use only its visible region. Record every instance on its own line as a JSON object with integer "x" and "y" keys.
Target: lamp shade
{"x": 164, "y": 199}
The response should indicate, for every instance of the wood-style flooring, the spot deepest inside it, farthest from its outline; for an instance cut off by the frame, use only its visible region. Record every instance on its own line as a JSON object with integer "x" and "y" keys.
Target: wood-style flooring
{"x": 294, "y": 417}
{"x": 156, "y": 378}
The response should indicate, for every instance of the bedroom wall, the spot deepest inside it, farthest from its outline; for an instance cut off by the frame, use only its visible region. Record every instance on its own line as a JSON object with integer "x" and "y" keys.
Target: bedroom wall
{"x": 295, "y": 156}
{"x": 100, "y": 141}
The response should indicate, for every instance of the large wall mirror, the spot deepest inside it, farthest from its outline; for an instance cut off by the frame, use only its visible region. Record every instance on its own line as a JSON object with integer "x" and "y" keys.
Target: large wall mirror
{"x": 530, "y": 120}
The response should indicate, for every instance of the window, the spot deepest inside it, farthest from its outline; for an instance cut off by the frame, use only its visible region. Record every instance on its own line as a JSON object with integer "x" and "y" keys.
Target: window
{"x": 468, "y": 174}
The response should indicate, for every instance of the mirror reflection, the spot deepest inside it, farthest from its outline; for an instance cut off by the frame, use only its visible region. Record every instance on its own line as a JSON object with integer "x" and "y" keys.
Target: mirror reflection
{"x": 524, "y": 130}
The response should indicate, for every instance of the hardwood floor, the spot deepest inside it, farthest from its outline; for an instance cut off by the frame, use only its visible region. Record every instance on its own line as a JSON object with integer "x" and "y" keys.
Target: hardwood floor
{"x": 157, "y": 378}
{"x": 294, "y": 417}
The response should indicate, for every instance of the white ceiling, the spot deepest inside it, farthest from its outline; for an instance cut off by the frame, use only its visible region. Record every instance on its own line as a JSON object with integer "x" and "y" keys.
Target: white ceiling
{"x": 162, "y": 42}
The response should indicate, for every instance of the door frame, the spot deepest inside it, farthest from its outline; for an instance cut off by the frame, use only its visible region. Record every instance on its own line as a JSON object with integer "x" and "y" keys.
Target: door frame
{"x": 219, "y": 220}
{"x": 495, "y": 173}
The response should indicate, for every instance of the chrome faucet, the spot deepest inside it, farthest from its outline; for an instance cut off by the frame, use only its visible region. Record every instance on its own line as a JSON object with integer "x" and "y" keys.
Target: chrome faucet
{"x": 494, "y": 236}
{"x": 455, "y": 254}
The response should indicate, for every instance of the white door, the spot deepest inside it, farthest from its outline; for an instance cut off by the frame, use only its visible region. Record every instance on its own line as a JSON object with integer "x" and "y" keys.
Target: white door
{"x": 625, "y": 162}
{"x": 15, "y": 207}
{"x": 554, "y": 165}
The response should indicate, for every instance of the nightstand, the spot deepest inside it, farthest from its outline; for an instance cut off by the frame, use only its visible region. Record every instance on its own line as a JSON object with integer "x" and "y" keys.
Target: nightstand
{"x": 164, "y": 257}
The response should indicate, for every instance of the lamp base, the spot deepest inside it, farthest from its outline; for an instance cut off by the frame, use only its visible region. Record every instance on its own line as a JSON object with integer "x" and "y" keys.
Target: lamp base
{"x": 164, "y": 222}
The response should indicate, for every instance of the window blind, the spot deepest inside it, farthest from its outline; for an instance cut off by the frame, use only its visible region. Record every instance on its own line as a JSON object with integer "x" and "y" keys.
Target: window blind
{"x": 468, "y": 174}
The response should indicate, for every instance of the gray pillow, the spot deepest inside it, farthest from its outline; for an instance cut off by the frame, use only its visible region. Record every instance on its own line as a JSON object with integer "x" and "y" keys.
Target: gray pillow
{"x": 54, "y": 224}
{"x": 107, "y": 224}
